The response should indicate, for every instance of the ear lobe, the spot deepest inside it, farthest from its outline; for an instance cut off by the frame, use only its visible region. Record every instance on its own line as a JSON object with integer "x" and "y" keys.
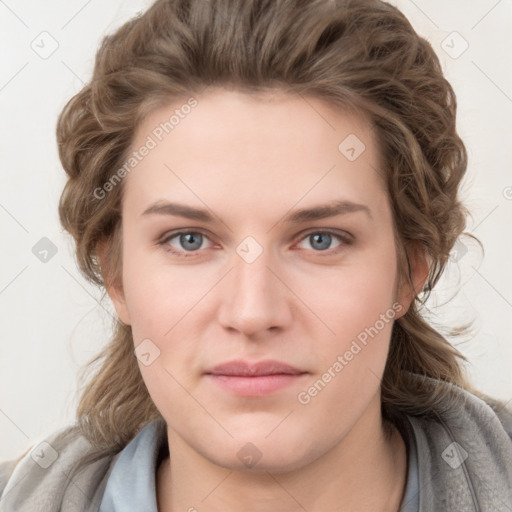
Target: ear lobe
{"x": 113, "y": 286}
{"x": 418, "y": 263}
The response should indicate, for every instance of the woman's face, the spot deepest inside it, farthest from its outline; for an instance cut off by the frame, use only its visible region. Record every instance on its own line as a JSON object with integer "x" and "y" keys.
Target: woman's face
{"x": 257, "y": 229}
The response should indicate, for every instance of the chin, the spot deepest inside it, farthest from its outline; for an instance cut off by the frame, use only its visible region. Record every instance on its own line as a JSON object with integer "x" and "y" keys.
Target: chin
{"x": 265, "y": 456}
{"x": 263, "y": 466}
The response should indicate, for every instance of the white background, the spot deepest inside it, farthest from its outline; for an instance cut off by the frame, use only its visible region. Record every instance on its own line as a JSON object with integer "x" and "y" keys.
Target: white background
{"x": 51, "y": 320}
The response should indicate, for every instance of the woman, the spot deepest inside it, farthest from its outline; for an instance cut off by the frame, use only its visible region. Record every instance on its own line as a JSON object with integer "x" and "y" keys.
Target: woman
{"x": 267, "y": 190}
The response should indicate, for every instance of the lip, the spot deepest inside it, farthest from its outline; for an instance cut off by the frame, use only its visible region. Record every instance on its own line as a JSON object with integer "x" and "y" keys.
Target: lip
{"x": 242, "y": 368}
{"x": 243, "y": 378}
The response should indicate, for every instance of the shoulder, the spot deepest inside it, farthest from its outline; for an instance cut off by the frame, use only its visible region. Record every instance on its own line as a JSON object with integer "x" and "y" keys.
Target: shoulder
{"x": 464, "y": 450}
{"x": 457, "y": 407}
{"x": 46, "y": 476}
{"x": 503, "y": 411}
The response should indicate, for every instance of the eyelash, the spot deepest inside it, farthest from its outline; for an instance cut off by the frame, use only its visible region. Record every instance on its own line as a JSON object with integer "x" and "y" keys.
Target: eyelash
{"x": 344, "y": 238}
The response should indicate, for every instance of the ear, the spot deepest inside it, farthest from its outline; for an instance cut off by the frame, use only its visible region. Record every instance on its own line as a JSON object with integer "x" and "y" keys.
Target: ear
{"x": 418, "y": 267}
{"x": 113, "y": 284}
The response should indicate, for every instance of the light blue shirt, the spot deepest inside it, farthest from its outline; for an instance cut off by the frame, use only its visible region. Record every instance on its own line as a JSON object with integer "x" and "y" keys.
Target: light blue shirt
{"x": 131, "y": 484}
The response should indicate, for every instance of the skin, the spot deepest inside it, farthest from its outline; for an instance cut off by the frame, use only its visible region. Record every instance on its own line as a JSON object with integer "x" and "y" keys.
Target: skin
{"x": 251, "y": 160}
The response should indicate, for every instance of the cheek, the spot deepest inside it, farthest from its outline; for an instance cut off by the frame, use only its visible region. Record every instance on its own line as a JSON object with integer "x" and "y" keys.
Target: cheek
{"x": 356, "y": 303}
{"x": 157, "y": 295}
{"x": 359, "y": 306}
{"x": 353, "y": 297}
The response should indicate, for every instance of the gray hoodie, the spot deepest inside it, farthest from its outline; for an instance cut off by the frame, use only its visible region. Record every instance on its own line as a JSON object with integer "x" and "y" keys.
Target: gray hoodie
{"x": 464, "y": 459}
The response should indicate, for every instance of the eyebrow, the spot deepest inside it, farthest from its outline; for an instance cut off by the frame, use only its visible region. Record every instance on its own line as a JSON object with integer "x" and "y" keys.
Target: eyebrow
{"x": 295, "y": 217}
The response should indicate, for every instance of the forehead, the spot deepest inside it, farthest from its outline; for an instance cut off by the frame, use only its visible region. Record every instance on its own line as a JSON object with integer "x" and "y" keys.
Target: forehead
{"x": 235, "y": 147}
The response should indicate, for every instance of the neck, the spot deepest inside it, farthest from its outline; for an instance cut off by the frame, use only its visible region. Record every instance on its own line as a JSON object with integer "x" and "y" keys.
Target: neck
{"x": 367, "y": 470}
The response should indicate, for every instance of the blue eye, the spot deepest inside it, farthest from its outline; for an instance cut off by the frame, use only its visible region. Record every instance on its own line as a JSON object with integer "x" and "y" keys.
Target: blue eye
{"x": 187, "y": 241}
{"x": 190, "y": 241}
{"x": 322, "y": 240}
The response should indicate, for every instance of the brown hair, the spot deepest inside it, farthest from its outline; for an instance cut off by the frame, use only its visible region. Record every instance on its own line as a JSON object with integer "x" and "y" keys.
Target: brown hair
{"x": 360, "y": 54}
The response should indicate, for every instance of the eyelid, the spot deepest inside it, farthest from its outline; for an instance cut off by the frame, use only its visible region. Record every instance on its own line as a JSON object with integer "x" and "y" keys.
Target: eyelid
{"x": 182, "y": 231}
{"x": 343, "y": 235}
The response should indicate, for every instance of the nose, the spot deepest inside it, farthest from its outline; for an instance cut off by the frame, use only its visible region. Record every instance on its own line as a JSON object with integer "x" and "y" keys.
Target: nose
{"x": 255, "y": 300}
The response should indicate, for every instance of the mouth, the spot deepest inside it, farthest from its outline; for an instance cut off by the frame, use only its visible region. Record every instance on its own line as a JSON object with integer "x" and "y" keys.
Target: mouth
{"x": 254, "y": 379}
